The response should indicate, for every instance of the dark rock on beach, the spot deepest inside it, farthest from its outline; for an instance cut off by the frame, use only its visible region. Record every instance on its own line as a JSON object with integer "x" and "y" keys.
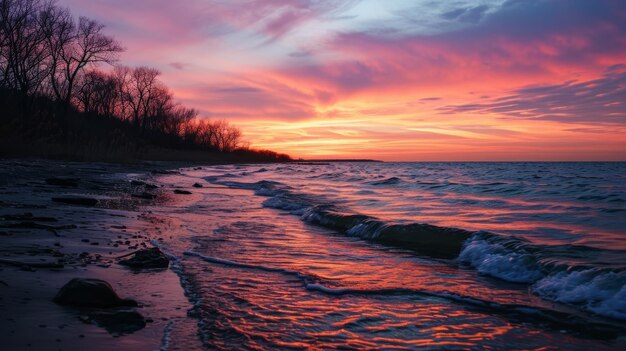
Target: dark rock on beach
{"x": 197, "y": 185}
{"x": 34, "y": 225}
{"x": 161, "y": 171}
{"x": 118, "y": 322}
{"x": 147, "y": 258}
{"x": 182, "y": 192}
{"x": 79, "y": 201}
{"x": 85, "y": 292}
{"x": 28, "y": 217}
{"x": 63, "y": 181}
{"x": 135, "y": 182}
{"x": 145, "y": 196}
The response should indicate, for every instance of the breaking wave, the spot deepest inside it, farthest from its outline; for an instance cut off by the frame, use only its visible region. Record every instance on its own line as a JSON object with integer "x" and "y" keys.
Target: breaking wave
{"x": 554, "y": 319}
{"x": 548, "y": 270}
{"x": 598, "y": 290}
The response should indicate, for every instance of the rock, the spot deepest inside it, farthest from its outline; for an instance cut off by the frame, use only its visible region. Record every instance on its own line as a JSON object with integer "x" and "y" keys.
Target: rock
{"x": 144, "y": 195}
{"x": 85, "y": 292}
{"x": 28, "y": 217}
{"x": 28, "y": 266}
{"x": 160, "y": 171}
{"x": 182, "y": 192}
{"x": 63, "y": 181}
{"x": 147, "y": 258}
{"x": 80, "y": 201}
{"x": 197, "y": 185}
{"x": 33, "y": 225}
{"x": 119, "y": 322}
{"x": 135, "y": 182}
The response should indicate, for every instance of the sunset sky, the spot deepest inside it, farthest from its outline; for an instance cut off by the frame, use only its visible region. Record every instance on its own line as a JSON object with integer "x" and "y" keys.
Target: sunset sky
{"x": 392, "y": 80}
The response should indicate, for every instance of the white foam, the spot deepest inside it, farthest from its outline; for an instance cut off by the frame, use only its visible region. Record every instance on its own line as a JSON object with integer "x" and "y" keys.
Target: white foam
{"x": 603, "y": 293}
{"x": 368, "y": 231}
{"x": 167, "y": 335}
{"x": 282, "y": 203}
{"x": 326, "y": 290}
{"x": 263, "y": 191}
{"x": 495, "y": 260}
{"x": 599, "y": 292}
{"x": 309, "y": 215}
{"x": 217, "y": 260}
{"x": 226, "y": 262}
{"x": 177, "y": 267}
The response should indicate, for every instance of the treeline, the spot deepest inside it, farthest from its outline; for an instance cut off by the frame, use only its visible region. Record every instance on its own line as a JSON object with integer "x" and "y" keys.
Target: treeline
{"x": 51, "y": 80}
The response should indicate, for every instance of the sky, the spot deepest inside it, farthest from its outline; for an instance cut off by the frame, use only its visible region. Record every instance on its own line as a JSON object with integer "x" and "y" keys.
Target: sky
{"x": 401, "y": 80}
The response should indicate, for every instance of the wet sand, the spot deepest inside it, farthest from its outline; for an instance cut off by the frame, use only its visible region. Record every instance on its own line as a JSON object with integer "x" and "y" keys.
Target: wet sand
{"x": 46, "y": 243}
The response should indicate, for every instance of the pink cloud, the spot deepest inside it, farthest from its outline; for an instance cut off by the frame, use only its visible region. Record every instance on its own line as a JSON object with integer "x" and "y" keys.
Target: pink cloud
{"x": 241, "y": 60}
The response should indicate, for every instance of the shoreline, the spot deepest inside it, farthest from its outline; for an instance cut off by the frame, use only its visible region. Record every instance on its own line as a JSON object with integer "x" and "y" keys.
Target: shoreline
{"x": 45, "y": 244}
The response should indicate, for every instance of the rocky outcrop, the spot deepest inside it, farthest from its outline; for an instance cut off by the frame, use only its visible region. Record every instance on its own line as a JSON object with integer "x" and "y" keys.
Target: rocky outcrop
{"x": 70, "y": 182}
{"x": 78, "y": 201}
{"x": 117, "y": 322}
{"x": 145, "y": 196}
{"x": 147, "y": 258}
{"x": 84, "y": 292}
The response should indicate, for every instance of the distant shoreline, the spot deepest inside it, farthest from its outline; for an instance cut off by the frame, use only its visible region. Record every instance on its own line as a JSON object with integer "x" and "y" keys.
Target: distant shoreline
{"x": 331, "y": 160}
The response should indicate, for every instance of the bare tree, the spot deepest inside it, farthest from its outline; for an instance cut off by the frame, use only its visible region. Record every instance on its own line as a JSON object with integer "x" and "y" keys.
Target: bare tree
{"x": 96, "y": 93}
{"x": 58, "y": 26}
{"x": 121, "y": 75}
{"x": 159, "y": 109}
{"x": 23, "y": 54}
{"x": 74, "y": 47}
{"x": 4, "y": 42}
{"x": 212, "y": 135}
{"x": 228, "y": 136}
{"x": 141, "y": 92}
{"x": 180, "y": 117}
{"x": 45, "y": 52}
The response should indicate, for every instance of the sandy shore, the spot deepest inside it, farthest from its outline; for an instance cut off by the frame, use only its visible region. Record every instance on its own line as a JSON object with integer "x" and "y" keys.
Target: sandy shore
{"x": 44, "y": 244}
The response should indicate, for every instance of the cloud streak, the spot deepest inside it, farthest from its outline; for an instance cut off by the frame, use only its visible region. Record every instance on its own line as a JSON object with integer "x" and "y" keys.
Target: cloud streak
{"x": 421, "y": 79}
{"x": 600, "y": 101}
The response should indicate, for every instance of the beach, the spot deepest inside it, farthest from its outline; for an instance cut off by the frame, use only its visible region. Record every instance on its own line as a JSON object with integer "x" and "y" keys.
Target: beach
{"x": 316, "y": 255}
{"x": 49, "y": 243}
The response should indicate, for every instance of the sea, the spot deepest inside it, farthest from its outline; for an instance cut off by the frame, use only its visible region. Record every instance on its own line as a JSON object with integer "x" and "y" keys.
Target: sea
{"x": 401, "y": 256}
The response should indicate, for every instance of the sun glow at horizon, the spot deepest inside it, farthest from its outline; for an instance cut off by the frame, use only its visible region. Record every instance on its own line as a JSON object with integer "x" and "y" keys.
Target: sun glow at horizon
{"x": 408, "y": 80}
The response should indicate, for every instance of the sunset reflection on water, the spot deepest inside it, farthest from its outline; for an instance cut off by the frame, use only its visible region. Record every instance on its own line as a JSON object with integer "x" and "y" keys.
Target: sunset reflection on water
{"x": 262, "y": 278}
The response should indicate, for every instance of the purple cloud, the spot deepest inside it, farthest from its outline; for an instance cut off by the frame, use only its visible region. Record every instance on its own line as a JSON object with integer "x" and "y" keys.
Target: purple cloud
{"x": 599, "y": 101}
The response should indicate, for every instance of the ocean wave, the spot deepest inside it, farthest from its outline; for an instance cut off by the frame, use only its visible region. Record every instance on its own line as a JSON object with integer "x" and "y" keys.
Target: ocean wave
{"x": 547, "y": 270}
{"x": 597, "y": 290}
{"x": 428, "y": 239}
{"x": 388, "y": 181}
{"x": 555, "y": 319}
{"x": 500, "y": 259}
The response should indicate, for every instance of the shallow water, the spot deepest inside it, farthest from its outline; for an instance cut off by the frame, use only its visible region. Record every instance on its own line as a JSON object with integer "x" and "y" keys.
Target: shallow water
{"x": 327, "y": 256}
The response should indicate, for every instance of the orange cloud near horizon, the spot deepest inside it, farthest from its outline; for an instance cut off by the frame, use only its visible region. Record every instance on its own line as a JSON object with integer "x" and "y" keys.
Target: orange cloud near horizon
{"x": 515, "y": 81}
